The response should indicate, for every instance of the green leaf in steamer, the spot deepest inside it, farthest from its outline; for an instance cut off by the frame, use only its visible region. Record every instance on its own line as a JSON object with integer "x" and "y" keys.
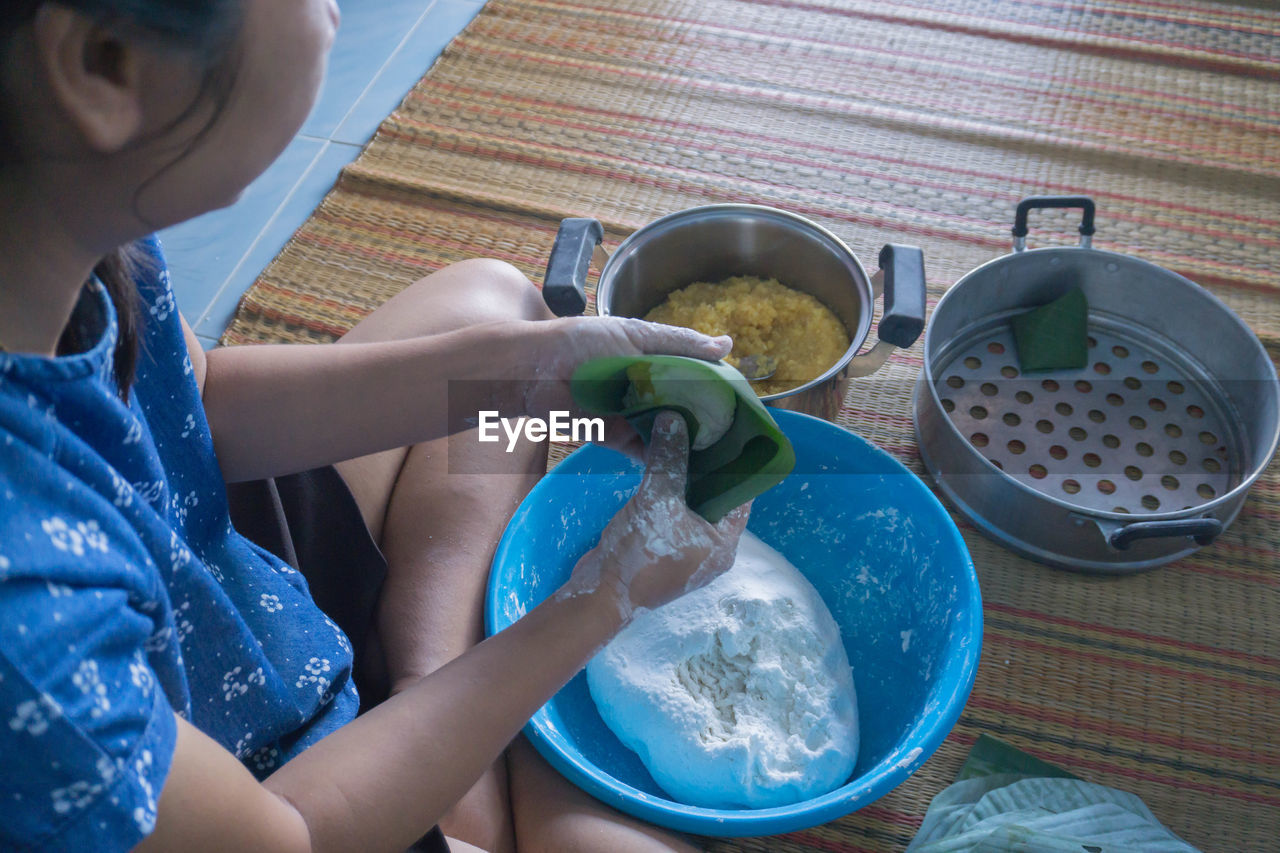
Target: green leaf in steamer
{"x": 1054, "y": 336}
{"x": 748, "y": 460}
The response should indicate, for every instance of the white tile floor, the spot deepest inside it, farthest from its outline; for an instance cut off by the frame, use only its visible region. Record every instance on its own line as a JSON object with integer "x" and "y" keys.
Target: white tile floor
{"x": 383, "y": 48}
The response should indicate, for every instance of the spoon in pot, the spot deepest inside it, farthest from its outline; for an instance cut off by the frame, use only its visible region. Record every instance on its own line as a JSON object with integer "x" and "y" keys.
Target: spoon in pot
{"x": 757, "y": 367}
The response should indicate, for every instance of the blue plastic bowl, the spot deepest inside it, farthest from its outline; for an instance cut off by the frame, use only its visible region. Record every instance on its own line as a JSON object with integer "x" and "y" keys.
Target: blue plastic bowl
{"x": 868, "y": 534}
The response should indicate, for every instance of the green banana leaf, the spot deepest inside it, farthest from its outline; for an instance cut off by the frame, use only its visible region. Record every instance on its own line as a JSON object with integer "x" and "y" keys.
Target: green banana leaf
{"x": 1006, "y": 801}
{"x": 751, "y": 458}
{"x": 992, "y": 755}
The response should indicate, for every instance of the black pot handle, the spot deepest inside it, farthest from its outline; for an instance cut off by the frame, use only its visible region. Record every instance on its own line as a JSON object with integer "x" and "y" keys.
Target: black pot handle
{"x": 564, "y": 287}
{"x": 904, "y": 294}
{"x": 1037, "y": 202}
{"x": 1203, "y": 530}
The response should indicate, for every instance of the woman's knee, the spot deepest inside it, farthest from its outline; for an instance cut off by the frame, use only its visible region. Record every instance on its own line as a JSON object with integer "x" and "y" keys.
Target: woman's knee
{"x": 467, "y": 293}
{"x": 490, "y": 289}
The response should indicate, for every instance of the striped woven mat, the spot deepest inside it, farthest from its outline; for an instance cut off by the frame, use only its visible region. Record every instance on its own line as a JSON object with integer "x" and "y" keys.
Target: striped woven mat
{"x": 920, "y": 121}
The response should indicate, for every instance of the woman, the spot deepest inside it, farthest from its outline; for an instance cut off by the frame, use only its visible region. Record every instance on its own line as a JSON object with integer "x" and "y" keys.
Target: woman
{"x": 167, "y": 683}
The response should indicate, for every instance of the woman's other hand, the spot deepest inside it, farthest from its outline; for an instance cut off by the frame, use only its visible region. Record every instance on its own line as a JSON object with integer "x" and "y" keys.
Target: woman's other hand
{"x": 656, "y": 548}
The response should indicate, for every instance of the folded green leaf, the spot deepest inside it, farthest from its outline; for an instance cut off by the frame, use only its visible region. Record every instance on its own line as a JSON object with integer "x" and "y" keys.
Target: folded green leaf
{"x": 992, "y": 755}
{"x": 751, "y": 457}
{"x": 949, "y": 809}
{"x": 1008, "y": 812}
{"x": 1054, "y": 336}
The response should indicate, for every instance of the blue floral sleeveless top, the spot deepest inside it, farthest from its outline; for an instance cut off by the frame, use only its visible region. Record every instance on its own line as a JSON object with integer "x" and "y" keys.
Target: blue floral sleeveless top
{"x": 127, "y": 597}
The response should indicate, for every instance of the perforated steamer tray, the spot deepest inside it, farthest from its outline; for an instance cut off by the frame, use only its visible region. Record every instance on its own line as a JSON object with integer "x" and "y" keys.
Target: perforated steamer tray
{"x": 1139, "y": 458}
{"x": 1141, "y": 429}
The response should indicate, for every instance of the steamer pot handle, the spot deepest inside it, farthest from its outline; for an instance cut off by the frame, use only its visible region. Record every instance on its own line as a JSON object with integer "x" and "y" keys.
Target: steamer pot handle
{"x": 1203, "y": 530}
{"x": 904, "y": 295}
{"x": 564, "y": 287}
{"x": 1036, "y": 202}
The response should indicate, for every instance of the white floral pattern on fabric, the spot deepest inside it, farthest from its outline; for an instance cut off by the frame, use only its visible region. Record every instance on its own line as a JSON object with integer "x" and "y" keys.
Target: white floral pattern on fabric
{"x": 62, "y": 536}
{"x": 183, "y": 626}
{"x": 145, "y": 814}
{"x": 179, "y": 553}
{"x": 74, "y": 539}
{"x": 233, "y": 687}
{"x": 182, "y": 507}
{"x": 109, "y": 769}
{"x": 33, "y": 715}
{"x": 313, "y": 675}
{"x": 124, "y": 491}
{"x": 83, "y": 793}
{"x": 338, "y": 635}
{"x": 149, "y": 490}
{"x": 140, "y": 674}
{"x": 92, "y": 535}
{"x": 48, "y": 412}
{"x": 264, "y": 758}
{"x": 270, "y": 603}
{"x": 315, "y": 666}
{"x": 134, "y": 433}
{"x": 90, "y": 683}
{"x": 163, "y": 306}
{"x": 159, "y": 641}
{"x": 75, "y": 796}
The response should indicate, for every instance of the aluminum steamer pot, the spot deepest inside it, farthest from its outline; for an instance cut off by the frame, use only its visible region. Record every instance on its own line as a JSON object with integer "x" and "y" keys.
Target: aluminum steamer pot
{"x": 1137, "y": 459}
{"x": 717, "y": 241}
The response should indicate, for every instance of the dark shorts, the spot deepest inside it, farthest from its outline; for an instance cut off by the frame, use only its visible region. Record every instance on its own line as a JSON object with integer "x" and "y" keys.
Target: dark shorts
{"x": 312, "y": 522}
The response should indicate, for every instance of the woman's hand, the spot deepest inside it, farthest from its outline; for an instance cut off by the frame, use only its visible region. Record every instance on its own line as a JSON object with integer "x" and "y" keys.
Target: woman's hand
{"x": 562, "y": 345}
{"x": 656, "y": 548}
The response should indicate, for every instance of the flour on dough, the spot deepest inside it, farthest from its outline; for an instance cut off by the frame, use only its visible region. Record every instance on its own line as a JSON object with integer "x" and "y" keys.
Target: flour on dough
{"x": 736, "y": 695}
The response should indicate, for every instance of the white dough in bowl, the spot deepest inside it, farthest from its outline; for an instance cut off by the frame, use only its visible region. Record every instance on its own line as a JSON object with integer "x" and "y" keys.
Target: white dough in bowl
{"x": 736, "y": 695}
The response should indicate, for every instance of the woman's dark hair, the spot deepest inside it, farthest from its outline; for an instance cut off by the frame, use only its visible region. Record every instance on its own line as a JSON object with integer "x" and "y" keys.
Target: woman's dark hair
{"x": 204, "y": 28}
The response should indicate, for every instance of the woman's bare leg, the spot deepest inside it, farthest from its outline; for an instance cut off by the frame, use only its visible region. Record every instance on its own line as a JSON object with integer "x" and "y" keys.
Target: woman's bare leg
{"x": 438, "y": 527}
{"x": 553, "y": 816}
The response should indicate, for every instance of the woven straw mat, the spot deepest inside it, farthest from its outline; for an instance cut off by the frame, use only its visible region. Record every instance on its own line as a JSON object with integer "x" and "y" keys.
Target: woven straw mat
{"x": 922, "y": 122}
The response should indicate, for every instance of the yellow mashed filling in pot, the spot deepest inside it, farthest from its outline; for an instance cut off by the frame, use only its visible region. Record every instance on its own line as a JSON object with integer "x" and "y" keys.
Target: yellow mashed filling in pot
{"x": 764, "y": 317}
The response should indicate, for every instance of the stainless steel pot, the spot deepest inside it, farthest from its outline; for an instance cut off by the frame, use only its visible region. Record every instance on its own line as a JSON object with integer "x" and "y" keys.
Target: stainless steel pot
{"x": 715, "y": 242}
{"x": 1138, "y": 459}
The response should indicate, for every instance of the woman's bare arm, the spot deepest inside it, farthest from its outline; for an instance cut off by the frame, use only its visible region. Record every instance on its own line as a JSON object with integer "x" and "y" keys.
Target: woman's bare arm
{"x": 384, "y": 779}
{"x": 277, "y": 409}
